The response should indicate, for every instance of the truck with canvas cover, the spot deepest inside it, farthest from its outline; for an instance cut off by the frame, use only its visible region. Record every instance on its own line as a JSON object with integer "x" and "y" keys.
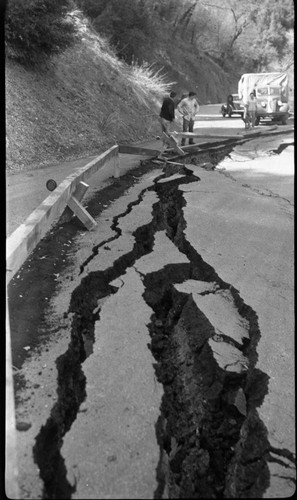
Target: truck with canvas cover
{"x": 271, "y": 91}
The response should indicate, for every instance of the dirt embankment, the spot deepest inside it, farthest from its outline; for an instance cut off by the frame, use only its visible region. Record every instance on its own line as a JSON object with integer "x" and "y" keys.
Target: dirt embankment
{"x": 68, "y": 110}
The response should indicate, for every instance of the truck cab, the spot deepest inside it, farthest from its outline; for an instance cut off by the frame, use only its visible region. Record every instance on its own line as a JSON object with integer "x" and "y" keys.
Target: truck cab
{"x": 271, "y": 91}
{"x": 271, "y": 104}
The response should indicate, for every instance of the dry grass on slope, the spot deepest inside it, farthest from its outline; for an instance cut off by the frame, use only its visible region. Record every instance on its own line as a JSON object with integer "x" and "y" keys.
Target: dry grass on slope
{"x": 189, "y": 67}
{"x": 81, "y": 103}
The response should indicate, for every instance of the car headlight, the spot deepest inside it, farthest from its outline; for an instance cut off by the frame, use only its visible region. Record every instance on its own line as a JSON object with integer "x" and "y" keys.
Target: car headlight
{"x": 263, "y": 104}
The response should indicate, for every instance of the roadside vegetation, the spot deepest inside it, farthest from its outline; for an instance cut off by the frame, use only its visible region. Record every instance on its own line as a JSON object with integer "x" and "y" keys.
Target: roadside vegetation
{"x": 82, "y": 75}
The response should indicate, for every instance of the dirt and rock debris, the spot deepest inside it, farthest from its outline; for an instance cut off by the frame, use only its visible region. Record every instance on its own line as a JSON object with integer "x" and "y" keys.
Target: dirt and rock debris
{"x": 212, "y": 441}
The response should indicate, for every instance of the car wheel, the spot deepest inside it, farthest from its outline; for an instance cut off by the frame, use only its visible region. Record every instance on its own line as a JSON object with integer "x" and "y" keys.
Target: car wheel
{"x": 257, "y": 120}
{"x": 283, "y": 120}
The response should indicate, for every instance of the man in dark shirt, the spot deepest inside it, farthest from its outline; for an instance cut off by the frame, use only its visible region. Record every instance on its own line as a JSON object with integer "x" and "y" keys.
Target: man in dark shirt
{"x": 167, "y": 114}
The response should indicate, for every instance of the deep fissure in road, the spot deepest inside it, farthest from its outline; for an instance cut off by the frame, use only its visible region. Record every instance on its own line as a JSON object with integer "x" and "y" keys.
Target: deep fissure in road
{"x": 212, "y": 441}
{"x": 206, "y": 431}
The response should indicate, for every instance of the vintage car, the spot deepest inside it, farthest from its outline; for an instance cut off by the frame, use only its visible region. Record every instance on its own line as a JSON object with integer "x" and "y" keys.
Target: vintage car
{"x": 233, "y": 106}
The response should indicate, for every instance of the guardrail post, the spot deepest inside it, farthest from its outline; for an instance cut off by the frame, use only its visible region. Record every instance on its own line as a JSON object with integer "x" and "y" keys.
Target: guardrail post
{"x": 78, "y": 194}
{"x": 81, "y": 213}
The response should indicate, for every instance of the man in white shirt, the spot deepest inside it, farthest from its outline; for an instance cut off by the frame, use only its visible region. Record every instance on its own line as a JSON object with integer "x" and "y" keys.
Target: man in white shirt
{"x": 188, "y": 107}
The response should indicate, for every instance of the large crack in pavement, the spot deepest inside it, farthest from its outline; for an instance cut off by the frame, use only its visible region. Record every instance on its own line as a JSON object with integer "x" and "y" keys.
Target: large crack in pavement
{"x": 84, "y": 305}
{"x": 209, "y": 379}
{"x": 212, "y": 441}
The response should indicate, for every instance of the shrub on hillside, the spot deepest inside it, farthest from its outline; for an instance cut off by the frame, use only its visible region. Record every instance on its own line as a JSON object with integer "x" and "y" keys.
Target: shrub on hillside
{"x": 35, "y": 29}
{"x": 127, "y": 24}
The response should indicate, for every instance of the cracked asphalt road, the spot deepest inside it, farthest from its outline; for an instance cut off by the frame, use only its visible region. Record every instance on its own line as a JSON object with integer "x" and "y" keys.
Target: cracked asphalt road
{"x": 197, "y": 265}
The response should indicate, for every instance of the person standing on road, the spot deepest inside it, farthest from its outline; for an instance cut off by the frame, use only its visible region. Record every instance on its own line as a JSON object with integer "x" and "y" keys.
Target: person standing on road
{"x": 250, "y": 108}
{"x": 167, "y": 114}
{"x": 188, "y": 108}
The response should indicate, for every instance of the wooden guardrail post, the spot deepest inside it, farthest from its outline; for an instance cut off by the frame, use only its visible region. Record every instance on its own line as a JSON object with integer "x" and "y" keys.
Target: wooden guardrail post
{"x": 74, "y": 207}
{"x": 81, "y": 213}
